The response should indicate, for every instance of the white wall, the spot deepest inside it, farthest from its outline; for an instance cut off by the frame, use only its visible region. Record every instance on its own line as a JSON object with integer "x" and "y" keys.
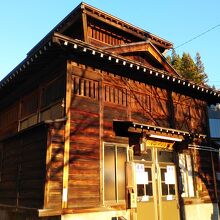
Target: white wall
{"x": 97, "y": 215}
{"x": 207, "y": 211}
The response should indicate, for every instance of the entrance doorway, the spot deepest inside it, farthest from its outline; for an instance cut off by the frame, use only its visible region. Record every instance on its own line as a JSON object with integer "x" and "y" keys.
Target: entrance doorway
{"x": 156, "y": 185}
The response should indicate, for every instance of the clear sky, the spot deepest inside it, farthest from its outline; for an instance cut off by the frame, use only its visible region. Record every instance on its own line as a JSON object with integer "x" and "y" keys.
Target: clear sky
{"x": 24, "y": 23}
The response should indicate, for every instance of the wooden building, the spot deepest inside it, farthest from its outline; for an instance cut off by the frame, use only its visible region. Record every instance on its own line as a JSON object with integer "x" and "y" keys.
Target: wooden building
{"x": 96, "y": 124}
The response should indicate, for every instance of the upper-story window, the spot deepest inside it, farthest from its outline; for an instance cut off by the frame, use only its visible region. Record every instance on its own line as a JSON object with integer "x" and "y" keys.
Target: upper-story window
{"x": 52, "y": 100}
{"x": 86, "y": 87}
{"x": 116, "y": 95}
{"x": 29, "y": 108}
{"x": 43, "y": 104}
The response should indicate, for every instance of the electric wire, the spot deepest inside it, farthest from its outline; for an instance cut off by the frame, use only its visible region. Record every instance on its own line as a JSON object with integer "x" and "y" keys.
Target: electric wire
{"x": 197, "y": 36}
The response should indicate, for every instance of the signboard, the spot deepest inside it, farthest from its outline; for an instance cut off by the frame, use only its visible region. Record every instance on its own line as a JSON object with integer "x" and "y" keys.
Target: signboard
{"x": 159, "y": 144}
{"x": 141, "y": 175}
{"x": 139, "y": 167}
{"x": 142, "y": 178}
{"x": 170, "y": 175}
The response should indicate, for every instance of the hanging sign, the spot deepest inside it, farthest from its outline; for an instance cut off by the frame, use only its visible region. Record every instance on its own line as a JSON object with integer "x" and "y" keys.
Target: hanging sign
{"x": 159, "y": 144}
{"x": 170, "y": 175}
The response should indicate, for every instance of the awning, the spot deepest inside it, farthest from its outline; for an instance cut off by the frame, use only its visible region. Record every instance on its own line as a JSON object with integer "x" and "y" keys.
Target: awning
{"x": 125, "y": 128}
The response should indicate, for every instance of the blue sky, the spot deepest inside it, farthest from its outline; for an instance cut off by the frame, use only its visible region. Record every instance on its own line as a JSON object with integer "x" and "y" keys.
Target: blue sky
{"x": 24, "y": 23}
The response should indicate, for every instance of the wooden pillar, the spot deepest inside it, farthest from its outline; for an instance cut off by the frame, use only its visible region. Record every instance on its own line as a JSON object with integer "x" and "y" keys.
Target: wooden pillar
{"x": 214, "y": 177}
{"x": 48, "y": 161}
{"x": 171, "y": 110}
{"x": 101, "y": 133}
{"x": 67, "y": 135}
{"x": 85, "y": 27}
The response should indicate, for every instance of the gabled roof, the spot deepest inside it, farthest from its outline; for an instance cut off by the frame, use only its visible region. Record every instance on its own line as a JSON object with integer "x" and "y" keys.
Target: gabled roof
{"x": 62, "y": 42}
{"x": 123, "y": 25}
{"x": 55, "y": 43}
{"x": 106, "y": 18}
{"x": 143, "y": 47}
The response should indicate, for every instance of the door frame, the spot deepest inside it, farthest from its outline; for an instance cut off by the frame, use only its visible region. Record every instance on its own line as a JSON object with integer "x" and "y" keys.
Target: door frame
{"x": 156, "y": 166}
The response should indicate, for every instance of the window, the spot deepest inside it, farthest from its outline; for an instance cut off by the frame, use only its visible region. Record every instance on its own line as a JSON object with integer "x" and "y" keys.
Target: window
{"x": 85, "y": 87}
{"x": 52, "y": 106}
{"x": 165, "y": 156}
{"x": 147, "y": 188}
{"x": 167, "y": 188}
{"x": 187, "y": 177}
{"x": 29, "y": 108}
{"x": 116, "y": 95}
{"x": 29, "y": 104}
{"x": 53, "y": 92}
{"x": 115, "y": 157}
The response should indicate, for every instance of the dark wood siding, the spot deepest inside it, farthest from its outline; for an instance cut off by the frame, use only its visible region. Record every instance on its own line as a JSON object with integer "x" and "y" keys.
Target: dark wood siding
{"x": 190, "y": 114}
{"x": 54, "y": 176}
{"x": 84, "y": 158}
{"x": 23, "y": 169}
{"x": 9, "y": 120}
{"x": 101, "y": 34}
{"x": 204, "y": 175}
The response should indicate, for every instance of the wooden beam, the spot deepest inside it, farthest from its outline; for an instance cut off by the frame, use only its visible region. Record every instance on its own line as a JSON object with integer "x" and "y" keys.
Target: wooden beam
{"x": 129, "y": 48}
{"x": 85, "y": 27}
{"x": 67, "y": 135}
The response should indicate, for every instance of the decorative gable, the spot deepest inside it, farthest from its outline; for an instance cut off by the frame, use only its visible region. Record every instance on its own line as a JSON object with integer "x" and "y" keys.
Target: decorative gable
{"x": 144, "y": 52}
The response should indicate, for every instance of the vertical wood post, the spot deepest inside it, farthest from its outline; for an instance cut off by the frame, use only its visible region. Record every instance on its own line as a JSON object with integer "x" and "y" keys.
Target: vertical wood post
{"x": 214, "y": 178}
{"x": 48, "y": 161}
{"x": 67, "y": 135}
{"x": 171, "y": 110}
{"x": 101, "y": 124}
{"x": 85, "y": 28}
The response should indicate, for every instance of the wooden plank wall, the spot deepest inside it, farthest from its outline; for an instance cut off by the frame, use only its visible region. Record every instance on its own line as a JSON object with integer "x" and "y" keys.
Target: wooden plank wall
{"x": 190, "y": 114}
{"x": 98, "y": 99}
{"x": 204, "y": 176}
{"x": 23, "y": 169}
{"x": 101, "y": 34}
{"x": 84, "y": 158}
{"x": 54, "y": 175}
{"x": 142, "y": 103}
{"x": 139, "y": 102}
{"x": 9, "y": 120}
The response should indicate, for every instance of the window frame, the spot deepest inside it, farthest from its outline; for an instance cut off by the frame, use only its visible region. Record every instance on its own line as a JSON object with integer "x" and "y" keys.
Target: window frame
{"x": 185, "y": 181}
{"x": 116, "y": 145}
{"x": 85, "y": 88}
{"x": 41, "y": 91}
